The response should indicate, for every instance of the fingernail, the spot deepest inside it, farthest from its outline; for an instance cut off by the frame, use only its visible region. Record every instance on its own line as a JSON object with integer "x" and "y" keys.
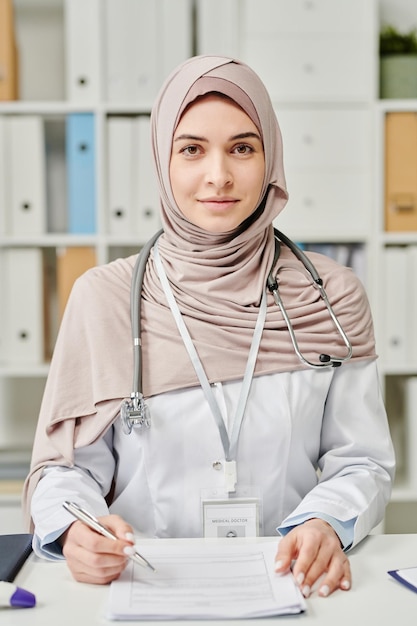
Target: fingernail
{"x": 324, "y": 591}
{"x": 278, "y": 565}
{"x": 130, "y": 537}
{"x": 345, "y": 584}
{"x": 300, "y": 578}
{"x": 129, "y": 550}
{"x": 306, "y": 591}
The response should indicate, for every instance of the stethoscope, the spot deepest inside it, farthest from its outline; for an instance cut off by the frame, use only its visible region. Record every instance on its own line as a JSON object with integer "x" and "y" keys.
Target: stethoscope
{"x": 134, "y": 412}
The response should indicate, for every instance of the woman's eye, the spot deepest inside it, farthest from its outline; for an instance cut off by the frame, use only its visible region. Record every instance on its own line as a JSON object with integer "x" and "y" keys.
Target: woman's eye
{"x": 190, "y": 150}
{"x": 243, "y": 148}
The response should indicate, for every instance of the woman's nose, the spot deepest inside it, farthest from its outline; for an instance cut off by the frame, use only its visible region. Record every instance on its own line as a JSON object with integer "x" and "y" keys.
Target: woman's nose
{"x": 218, "y": 171}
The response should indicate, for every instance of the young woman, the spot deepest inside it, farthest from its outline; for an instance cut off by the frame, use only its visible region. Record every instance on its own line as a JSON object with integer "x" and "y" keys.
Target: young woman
{"x": 237, "y": 419}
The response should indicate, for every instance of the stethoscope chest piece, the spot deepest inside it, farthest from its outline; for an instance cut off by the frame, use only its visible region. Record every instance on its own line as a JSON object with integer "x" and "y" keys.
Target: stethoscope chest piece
{"x": 134, "y": 413}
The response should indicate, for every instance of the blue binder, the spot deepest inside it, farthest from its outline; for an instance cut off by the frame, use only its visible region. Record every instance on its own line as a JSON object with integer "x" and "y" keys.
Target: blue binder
{"x": 81, "y": 171}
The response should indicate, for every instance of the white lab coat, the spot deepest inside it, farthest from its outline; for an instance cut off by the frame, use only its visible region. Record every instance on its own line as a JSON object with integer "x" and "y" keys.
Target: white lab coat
{"x": 312, "y": 442}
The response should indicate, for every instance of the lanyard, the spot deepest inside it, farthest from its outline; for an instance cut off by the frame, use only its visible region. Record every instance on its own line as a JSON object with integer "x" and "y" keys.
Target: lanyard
{"x": 229, "y": 446}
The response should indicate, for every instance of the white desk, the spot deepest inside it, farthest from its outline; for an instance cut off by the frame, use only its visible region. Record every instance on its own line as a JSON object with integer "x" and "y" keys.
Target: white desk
{"x": 375, "y": 598}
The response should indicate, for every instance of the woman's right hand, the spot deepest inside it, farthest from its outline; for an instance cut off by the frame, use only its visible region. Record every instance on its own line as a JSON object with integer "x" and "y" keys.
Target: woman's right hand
{"x": 93, "y": 558}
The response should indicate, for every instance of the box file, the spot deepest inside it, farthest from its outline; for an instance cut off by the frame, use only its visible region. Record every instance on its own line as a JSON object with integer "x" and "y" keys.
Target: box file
{"x": 22, "y": 304}
{"x": 81, "y": 172}
{"x": 71, "y": 263}
{"x": 398, "y": 317}
{"x": 177, "y": 41}
{"x": 3, "y": 330}
{"x": 218, "y": 27}
{"x": 82, "y": 35}
{"x": 56, "y": 176}
{"x": 9, "y": 82}
{"x": 411, "y": 431}
{"x": 133, "y": 199}
{"x": 148, "y": 210}
{"x": 25, "y": 145}
{"x": 131, "y": 42}
{"x": 412, "y": 304}
{"x": 401, "y": 171}
{"x": 4, "y": 210}
{"x": 394, "y": 394}
{"x": 122, "y": 149}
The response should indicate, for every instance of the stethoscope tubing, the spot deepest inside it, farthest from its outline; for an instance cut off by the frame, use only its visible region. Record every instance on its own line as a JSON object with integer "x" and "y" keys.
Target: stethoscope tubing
{"x": 136, "y": 406}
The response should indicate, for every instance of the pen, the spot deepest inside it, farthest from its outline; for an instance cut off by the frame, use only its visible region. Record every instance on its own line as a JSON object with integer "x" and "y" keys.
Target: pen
{"x": 91, "y": 521}
{"x": 10, "y": 595}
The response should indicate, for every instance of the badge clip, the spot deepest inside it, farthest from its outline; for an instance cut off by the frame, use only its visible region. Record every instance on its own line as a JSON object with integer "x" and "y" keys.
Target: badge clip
{"x": 230, "y": 476}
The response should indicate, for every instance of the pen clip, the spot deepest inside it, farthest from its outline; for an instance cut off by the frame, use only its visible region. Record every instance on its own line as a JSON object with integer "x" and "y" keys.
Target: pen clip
{"x": 75, "y": 509}
{"x": 84, "y": 516}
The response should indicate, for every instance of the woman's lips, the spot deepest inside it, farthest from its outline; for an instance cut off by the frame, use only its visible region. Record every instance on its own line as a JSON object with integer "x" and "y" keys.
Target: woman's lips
{"x": 218, "y": 204}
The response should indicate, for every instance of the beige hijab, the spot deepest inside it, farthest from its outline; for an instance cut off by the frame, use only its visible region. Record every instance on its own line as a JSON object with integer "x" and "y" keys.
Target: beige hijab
{"x": 217, "y": 279}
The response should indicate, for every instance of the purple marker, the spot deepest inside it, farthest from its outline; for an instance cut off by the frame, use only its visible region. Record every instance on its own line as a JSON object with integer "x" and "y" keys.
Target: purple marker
{"x": 10, "y": 595}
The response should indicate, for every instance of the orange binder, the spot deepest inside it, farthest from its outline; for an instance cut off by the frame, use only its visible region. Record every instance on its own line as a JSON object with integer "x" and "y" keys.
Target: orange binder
{"x": 8, "y": 53}
{"x": 401, "y": 171}
{"x": 71, "y": 263}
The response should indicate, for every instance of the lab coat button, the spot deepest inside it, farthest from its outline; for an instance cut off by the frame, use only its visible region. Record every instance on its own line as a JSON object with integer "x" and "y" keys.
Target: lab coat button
{"x": 217, "y": 465}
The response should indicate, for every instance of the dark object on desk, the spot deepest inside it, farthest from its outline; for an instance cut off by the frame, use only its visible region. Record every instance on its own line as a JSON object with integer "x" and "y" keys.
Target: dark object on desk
{"x": 14, "y": 550}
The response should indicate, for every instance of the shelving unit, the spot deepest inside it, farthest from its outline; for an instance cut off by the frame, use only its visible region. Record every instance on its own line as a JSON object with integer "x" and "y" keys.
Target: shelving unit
{"x": 71, "y": 64}
{"x": 336, "y": 171}
{"x": 319, "y": 61}
{"x": 395, "y": 320}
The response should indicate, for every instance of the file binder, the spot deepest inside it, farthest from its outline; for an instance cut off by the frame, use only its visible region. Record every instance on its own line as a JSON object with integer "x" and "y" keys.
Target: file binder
{"x": 3, "y": 330}
{"x": 14, "y": 550}
{"x": 22, "y": 303}
{"x": 26, "y": 150}
{"x": 122, "y": 148}
{"x": 132, "y": 37}
{"x": 148, "y": 210}
{"x": 410, "y": 405}
{"x": 81, "y": 173}
{"x": 71, "y": 263}
{"x": 412, "y": 303}
{"x": 177, "y": 42}
{"x": 56, "y": 176}
{"x": 9, "y": 88}
{"x": 397, "y": 311}
{"x": 218, "y": 27}
{"x": 401, "y": 171}
{"x": 82, "y": 34}
{"x": 4, "y": 211}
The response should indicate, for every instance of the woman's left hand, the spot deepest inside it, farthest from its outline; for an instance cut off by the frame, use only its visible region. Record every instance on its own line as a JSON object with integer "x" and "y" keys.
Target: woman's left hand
{"x": 317, "y": 552}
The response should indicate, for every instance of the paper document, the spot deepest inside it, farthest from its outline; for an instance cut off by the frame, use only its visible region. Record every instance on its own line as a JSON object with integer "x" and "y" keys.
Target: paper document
{"x": 205, "y": 580}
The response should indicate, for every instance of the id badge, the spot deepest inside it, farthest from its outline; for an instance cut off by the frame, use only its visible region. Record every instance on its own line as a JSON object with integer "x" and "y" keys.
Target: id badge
{"x": 229, "y": 516}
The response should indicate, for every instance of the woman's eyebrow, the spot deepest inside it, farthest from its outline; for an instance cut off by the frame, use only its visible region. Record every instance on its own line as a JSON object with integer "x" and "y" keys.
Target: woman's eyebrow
{"x": 190, "y": 138}
{"x": 246, "y": 135}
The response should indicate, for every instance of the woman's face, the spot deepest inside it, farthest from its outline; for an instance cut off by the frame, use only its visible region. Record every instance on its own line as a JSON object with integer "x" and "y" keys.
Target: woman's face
{"x": 217, "y": 164}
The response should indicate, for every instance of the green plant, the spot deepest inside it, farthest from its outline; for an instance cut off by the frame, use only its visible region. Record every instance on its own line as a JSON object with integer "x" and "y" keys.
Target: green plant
{"x": 391, "y": 41}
